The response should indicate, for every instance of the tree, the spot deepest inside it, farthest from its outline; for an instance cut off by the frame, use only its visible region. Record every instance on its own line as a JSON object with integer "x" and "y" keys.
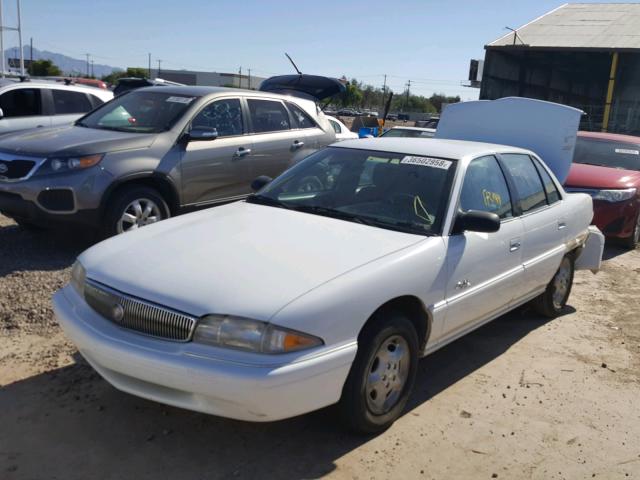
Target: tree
{"x": 437, "y": 99}
{"x": 116, "y": 75}
{"x": 351, "y": 96}
{"x": 44, "y": 68}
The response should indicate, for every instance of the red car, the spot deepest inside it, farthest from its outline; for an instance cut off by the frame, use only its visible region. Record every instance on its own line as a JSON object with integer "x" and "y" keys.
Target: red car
{"x": 607, "y": 166}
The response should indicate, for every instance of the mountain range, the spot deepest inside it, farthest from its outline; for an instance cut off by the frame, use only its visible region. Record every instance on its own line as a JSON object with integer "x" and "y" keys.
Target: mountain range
{"x": 68, "y": 65}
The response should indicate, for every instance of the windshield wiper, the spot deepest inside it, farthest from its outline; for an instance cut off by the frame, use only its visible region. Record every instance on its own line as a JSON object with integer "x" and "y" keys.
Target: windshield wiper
{"x": 329, "y": 212}
{"x": 264, "y": 200}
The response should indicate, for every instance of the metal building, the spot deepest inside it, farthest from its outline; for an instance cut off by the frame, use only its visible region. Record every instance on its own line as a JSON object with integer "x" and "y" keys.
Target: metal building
{"x": 210, "y": 79}
{"x": 583, "y": 55}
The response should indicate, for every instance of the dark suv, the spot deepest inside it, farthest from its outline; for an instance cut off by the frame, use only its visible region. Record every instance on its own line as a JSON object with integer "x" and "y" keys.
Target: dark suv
{"x": 154, "y": 152}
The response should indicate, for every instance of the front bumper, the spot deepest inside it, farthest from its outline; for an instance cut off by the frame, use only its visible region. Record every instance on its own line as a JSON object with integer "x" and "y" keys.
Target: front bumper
{"x": 616, "y": 219}
{"x": 172, "y": 373}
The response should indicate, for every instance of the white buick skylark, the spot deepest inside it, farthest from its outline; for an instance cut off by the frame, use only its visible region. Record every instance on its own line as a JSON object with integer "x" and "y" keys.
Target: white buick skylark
{"x": 331, "y": 282}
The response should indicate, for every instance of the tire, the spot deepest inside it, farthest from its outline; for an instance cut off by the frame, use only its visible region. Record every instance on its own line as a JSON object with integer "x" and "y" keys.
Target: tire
{"x": 632, "y": 241}
{"x": 362, "y": 408}
{"x": 124, "y": 202}
{"x": 553, "y": 300}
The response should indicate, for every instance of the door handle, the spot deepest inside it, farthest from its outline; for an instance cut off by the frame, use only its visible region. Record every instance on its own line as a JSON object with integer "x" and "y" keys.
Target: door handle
{"x": 514, "y": 245}
{"x": 562, "y": 224}
{"x": 297, "y": 144}
{"x": 242, "y": 152}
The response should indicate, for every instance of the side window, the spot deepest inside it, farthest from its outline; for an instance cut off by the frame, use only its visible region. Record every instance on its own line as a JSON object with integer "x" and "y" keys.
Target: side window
{"x": 268, "y": 116}
{"x": 549, "y": 187}
{"x": 527, "y": 180}
{"x": 336, "y": 127}
{"x": 66, "y": 102}
{"x": 485, "y": 188}
{"x": 21, "y": 102}
{"x": 223, "y": 115}
{"x": 95, "y": 100}
{"x": 300, "y": 118}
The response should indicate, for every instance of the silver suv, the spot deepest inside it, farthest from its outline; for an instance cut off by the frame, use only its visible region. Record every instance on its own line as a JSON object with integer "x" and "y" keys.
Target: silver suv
{"x": 155, "y": 152}
{"x": 41, "y": 103}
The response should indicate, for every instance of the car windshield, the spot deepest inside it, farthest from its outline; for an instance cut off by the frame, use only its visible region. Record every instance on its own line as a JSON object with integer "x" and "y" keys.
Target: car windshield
{"x": 607, "y": 153}
{"x": 405, "y": 132}
{"x": 139, "y": 112}
{"x": 387, "y": 190}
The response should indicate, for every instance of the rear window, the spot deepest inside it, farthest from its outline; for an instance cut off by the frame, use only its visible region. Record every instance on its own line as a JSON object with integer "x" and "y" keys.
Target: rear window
{"x": 607, "y": 153}
{"x": 67, "y": 102}
{"x": 528, "y": 184}
{"x": 268, "y": 116}
{"x": 300, "y": 118}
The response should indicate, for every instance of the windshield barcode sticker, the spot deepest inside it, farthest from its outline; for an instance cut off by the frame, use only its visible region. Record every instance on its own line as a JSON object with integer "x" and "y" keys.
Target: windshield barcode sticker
{"x": 184, "y": 100}
{"x": 426, "y": 162}
{"x": 627, "y": 151}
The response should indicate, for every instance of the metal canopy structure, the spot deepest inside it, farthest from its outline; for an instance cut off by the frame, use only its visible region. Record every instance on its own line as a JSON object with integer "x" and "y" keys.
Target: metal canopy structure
{"x": 594, "y": 26}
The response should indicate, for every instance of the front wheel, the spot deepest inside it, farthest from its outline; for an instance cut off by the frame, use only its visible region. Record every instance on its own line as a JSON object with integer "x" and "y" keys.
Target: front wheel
{"x": 382, "y": 375}
{"x": 632, "y": 241}
{"x": 553, "y": 300}
{"x": 133, "y": 208}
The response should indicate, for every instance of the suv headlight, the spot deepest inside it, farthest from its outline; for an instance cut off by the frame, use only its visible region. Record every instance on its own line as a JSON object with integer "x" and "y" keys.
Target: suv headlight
{"x": 614, "y": 195}
{"x": 74, "y": 163}
{"x": 251, "y": 335}
{"x": 78, "y": 276}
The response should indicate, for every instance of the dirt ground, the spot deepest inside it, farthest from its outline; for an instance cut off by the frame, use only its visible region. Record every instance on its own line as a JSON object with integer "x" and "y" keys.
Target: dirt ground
{"x": 522, "y": 397}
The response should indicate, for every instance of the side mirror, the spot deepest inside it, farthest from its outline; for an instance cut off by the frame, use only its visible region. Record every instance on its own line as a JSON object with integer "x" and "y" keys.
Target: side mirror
{"x": 260, "y": 182}
{"x": 197, "y": 134}
{"x": 476, "y": 221}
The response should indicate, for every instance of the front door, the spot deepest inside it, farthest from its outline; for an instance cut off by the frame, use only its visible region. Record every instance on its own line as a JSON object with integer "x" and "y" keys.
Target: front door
{"x": 22, "y": 108}
{"x": 218, "y": 170}
{"x": 484, "y": 269}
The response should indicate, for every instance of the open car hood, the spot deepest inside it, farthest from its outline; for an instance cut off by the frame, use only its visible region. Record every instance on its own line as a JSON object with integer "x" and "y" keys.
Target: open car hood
{"x": 546, "y": 128}
{"x": 311, "y": 87}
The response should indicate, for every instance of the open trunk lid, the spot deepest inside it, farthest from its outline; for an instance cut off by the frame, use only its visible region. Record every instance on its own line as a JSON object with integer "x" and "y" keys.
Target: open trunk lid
{"x": 311, "y": 87}
{"x": 546, "y": 128}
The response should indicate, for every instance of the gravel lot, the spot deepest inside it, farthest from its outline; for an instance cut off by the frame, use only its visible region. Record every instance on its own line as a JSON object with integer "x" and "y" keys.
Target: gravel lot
{"x": 522, "y": 397}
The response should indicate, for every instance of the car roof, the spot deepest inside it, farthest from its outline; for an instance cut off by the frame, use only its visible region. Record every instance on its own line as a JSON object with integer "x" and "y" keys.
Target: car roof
{"x": 614, "y": 137}
{"x": 200, "y": 91}
{"x": 442, "y": 148}
{"x": 418, "y": 129}
{"x": 9, "y": 82}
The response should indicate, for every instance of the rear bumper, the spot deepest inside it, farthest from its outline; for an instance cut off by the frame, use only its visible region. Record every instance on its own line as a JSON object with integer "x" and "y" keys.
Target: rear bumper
{"x": 171, "y": 373}
{"x": 616, "y": 219}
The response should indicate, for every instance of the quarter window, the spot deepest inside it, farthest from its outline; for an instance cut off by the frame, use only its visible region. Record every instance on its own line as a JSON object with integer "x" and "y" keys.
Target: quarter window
{"x": 549, "y": 187}
{"x": 300, "y": 118}
{"x": 527, "y": 181}
{"x": 224, "y": 115}
{"x": 485, "y": 188}
{"x": 268, "y": 116}
{"x": 336, "y": 127}
{"x": 67, "y": 102}
{"x": 21, "y": 102}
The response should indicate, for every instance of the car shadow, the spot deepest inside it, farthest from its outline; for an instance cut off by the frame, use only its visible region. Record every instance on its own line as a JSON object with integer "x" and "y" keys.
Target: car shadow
{"x": 30, "y": 250}
{"x": 613, "y": 249}
{"x": 69, "y": 423}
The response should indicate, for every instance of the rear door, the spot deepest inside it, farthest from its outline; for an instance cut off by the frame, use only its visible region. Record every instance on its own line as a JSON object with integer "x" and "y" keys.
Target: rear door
{"x": 543, "y": 219}
{"x": 68, "y": 105}
{"x": 23, "y": 108}
{"x": 275, "y": 140}
{"x": 218, "y": 170}
{"x": 484, "y": 269}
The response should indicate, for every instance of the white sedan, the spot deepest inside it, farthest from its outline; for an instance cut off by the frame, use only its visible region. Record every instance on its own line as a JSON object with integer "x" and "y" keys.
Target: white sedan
{"x": 296, "y": 299}
{"x": 342, "y": 132}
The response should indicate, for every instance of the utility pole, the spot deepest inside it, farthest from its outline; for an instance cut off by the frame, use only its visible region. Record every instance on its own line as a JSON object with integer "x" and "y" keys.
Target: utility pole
{"x": 149, "y": 65}
{"x": 408, "y": 89}
{"x": 20, "y": 40}
{"x": 159, "y": 63}
{"x": 87, "y": 55}
{"x": 384, "y": 89}
{"x": 240, "y": 77}
{"x": 30, "y": 54}
{"x": 249, "y": 81}
{"x": 92, "y": 75}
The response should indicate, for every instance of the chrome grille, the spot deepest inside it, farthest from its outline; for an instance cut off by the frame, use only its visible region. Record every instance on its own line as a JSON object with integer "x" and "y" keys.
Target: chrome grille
{"x": 135, "y": 314}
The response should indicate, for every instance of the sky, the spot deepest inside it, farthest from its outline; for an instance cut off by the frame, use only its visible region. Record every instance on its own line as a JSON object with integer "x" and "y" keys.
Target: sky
{"x": 429, "y": 42}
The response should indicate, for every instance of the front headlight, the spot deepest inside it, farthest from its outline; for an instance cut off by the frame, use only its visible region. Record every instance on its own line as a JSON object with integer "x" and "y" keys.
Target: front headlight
{"x": 614, "y": 195}
{"x": 74, "y": 163}
{"x": 78, "y": 276}
{"x": 251, "y": 335}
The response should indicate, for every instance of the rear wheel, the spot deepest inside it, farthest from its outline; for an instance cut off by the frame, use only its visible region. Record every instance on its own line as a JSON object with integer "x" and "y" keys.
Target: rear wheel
{"x": 382, "y": 374}
{"x": 633, "y": 240}
{"x": 133, "y": 208}
{"x": 553, "y": 300}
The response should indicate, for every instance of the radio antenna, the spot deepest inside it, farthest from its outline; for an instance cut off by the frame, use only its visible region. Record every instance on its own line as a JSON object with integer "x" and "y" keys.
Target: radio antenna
{"x": 293, "y": 63}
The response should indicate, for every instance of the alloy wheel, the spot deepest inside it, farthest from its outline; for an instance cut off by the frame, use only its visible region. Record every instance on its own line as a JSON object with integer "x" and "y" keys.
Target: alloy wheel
{"x": 139, "y": 213}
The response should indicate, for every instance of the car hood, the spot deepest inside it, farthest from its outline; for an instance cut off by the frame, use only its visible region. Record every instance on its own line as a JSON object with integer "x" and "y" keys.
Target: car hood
{"x": 72, "y": 141}
{"x": 593, "y": 176}
{"x": 241, "y": 259}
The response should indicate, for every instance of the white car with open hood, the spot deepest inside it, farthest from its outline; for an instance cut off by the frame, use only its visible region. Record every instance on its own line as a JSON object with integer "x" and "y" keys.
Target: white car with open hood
{"x": 328, "y": 284}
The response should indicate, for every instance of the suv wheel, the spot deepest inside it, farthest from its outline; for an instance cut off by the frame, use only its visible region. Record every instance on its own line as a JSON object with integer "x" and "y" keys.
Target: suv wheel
{"x": 134, "y": 208}
{"x": 382, "y": 374}
{"x": 553, "y": 300}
